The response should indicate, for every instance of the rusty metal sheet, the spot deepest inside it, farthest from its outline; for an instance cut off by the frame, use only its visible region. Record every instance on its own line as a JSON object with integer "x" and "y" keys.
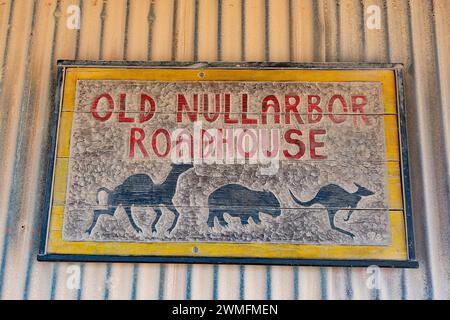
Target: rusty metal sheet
{"x": 257, "y": 163}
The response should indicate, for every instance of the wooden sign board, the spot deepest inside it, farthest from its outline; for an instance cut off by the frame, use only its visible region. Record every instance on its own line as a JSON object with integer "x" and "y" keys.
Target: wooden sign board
{"x": 220, "y": 163}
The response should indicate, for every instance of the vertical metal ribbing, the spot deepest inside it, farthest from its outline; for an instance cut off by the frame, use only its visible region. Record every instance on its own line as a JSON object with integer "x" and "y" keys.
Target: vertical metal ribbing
{"x": 430, "y": 97}
{"x": 81, "y": 282}
{"x": 107, "y": 283}
{"x": 161, "y": 283}
{"x": 348, "y": 284}
{"x": 323, "y": 284}
{"x": 5, "y": 50}
{"x": 445, "y": 114}
{"x": 195, "y": 54}
{"x": 338, "y": 30}
{"x": 102, "y": 28}
{"x": 125, "y": 39}
{"x": 290, "y": 30}
{"x": 428, "y": 289}
{"x": 12, "y": 201}
{"x": 268, "y": 283}
{"x": 37, "y": 219}
{"x": 317, "y": 36}
{"x": 54, "y": 280}
{"x": 77, "y": 46}
{"x": 362, "y": 26}
{"x": 219, "y": 30}
{"x": 296, "y": 293}
{"x": 386, "y": 32}
{"x": 174, "y": 30}
{"x": 266, "y": 30}
{"x": 215, "y": 284}
{"x": 188, "y": 288}
{"x": 150, "y": 19}
{"x": 243, "y": 30}
{"x": 242, "y": 282}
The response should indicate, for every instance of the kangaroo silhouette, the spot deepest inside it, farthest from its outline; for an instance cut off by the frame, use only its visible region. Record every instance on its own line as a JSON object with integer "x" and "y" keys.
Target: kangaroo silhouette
{"x": 139, "y": 189}
{"x": 333, "y": 198}
{"x": 239, "y": 201}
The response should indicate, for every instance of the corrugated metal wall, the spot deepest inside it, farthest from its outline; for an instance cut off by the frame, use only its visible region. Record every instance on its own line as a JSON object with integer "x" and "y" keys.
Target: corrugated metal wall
{"x": 34, "y": 34}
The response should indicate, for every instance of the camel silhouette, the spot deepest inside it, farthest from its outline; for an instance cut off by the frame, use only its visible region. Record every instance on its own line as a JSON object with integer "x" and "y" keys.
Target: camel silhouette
{"x": 140, "y": 190}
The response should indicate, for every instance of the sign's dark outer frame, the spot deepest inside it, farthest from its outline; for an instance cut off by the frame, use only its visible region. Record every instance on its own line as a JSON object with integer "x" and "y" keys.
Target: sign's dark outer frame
{"x": 411, "y": 261}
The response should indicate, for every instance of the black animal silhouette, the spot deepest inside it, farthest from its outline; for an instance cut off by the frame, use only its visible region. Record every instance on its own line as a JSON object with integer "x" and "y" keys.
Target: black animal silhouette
{"x": 139, "y": 189}
{"x": 239, "y": 201}
{"x": 334, "y": 198}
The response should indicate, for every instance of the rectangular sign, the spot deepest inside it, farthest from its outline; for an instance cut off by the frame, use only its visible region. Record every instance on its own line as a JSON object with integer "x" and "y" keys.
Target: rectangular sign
{"x": 256, "y": 163}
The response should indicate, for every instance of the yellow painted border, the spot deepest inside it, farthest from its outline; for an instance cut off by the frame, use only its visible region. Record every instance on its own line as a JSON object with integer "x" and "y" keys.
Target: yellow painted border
{"x": 397, "y": 250}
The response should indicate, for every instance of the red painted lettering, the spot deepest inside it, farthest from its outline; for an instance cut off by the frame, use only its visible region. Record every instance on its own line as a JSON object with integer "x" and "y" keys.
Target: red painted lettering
{"x": 182, "y": 103}
{"x": 330, "y": 108}
{"x": 314, "y": 106}
{"x": 290, "y": 140}
{"x": 146, "y": 115}
{"x": 245, "y": 119}
{"x": 137, "y": 140}
{"x": 227, "y": 110}
{"x": 270, "y": 102}
{"x": 166, "y": 135}
{"x": 313, "y": 144}
{"x": 110, "y": 107}
{"x": 292, "y": 107}
{"x": 122, "y": 107}
{"x": 206, "y": 114}
{"x": 358, "y": 107}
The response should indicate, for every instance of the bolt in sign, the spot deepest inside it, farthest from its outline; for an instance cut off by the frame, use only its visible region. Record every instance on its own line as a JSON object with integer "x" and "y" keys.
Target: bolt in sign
{"x": 229, "y": 163}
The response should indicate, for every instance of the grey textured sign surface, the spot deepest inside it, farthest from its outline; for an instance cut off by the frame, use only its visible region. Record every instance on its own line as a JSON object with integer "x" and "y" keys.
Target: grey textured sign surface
{"x": 328, "y": 146}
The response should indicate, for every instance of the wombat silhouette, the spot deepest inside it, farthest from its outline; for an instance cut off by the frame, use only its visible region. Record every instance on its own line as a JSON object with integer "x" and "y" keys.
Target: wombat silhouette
{"x": 335, "y": 198}
{"x": 240, "y": 201}
{"x": 140, "y": 190}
